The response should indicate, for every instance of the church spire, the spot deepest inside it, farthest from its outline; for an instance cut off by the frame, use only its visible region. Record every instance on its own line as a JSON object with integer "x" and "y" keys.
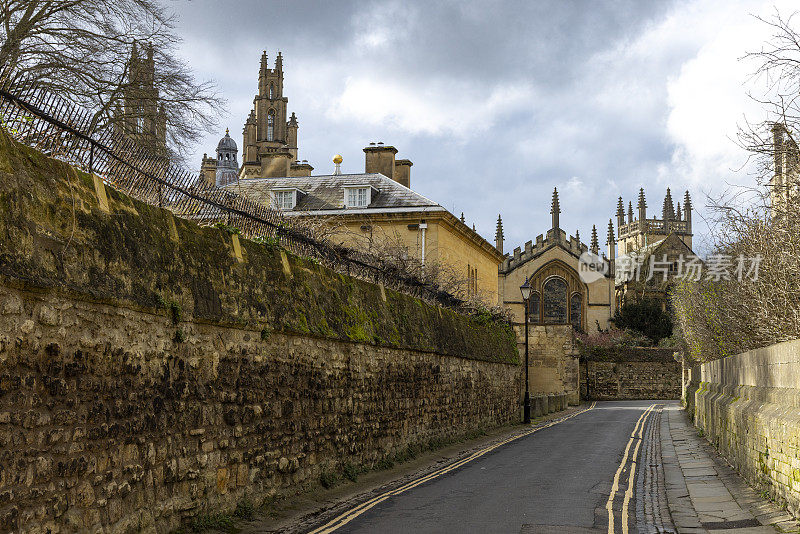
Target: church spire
{"x": 498, "y": 235}
{"x": 595, "y": 246}
{"x": 555, "y": 209}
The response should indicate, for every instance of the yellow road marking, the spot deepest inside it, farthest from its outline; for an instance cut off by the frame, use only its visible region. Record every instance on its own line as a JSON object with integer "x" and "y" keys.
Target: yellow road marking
{"x": 615, "y": 484}
{"x": 629, "y": 491}
{"x": 348, "y": 516}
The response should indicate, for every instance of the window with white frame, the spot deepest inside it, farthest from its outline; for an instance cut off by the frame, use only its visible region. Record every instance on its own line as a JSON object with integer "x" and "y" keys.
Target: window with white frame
{"x": 357, "y": 197}
{"x": 284, "y": 200}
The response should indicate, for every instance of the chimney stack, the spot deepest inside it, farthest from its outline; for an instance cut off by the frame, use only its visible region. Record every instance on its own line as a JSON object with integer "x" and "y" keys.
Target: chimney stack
{"x": 402, "y": 172}
{"x": 380, "y": 159}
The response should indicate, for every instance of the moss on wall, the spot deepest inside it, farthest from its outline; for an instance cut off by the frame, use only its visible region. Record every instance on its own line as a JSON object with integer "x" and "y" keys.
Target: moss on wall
{"x": 54, "y": 236}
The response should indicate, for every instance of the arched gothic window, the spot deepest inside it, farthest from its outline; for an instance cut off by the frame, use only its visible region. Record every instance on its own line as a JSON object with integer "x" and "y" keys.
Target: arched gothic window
{"x": 271, "y": 91}
{"x": 271, "y": 126}
{"x": 554, "y": 301}
{"x": 575, "y": 310}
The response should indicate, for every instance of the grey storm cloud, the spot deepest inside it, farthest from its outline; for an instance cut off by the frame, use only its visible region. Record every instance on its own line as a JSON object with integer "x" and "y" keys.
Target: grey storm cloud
{"x": 495, "y": 102}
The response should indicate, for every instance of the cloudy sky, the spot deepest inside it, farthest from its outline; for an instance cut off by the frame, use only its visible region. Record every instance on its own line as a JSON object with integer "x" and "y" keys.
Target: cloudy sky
{"x": 498, "y": 102}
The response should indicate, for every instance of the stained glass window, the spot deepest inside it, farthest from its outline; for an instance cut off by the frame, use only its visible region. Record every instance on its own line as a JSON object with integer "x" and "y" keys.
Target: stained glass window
{"x": 575, "y": 310}
{"x": 533, "y": 307}
{"x": 554, "y": 301}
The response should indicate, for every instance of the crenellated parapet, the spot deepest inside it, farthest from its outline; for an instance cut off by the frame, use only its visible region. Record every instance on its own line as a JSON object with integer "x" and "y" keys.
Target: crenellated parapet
{"x": 554, "y": 237}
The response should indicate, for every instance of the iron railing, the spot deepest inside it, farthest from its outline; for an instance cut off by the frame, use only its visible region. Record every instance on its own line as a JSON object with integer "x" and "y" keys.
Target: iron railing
{"x": 61, "y": 129}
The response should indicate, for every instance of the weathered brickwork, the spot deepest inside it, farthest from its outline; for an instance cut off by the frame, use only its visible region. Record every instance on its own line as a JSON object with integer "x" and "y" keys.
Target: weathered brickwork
{"x": 149, "y": 372}
{"x": 635, "y": 373}
{"x": 748, "y": 406}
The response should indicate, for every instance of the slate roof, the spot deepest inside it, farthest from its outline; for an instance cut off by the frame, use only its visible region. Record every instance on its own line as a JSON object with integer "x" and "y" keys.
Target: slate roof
{"x": 326, "y": 193}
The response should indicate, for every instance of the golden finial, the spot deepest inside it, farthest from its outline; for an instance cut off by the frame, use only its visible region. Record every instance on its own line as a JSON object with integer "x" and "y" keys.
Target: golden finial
{"x": 226, "y": 131}
{"x": 337, "y": 159}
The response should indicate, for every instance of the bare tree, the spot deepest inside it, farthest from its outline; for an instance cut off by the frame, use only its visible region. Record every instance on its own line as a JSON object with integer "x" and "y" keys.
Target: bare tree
{"x": 83, "y": 49}
{"x": 720, "y": 317}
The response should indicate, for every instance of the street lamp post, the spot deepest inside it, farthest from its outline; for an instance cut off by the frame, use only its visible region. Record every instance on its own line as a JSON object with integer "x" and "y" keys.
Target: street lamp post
{"x": 525, "y": 289}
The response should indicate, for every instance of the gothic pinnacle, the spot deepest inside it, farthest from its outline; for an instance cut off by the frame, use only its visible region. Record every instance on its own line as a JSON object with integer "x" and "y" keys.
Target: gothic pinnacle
{"x": 498, "y": 235}
{"x": 595, "y": 246}
{"x": 642, "y": 203}
{"x": 668, "y": 211}
{"x": 610, "y": 235}
{"x": 620, "y": 208}
{"x": 555, "y": 209}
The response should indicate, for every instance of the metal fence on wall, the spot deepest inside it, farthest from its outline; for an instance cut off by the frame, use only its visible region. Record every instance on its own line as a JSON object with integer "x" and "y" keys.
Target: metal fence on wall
{"x": 61, "y": 129}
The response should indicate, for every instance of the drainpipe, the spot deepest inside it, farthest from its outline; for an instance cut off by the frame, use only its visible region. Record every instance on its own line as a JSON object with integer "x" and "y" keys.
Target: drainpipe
{"x": 422, "y": 227}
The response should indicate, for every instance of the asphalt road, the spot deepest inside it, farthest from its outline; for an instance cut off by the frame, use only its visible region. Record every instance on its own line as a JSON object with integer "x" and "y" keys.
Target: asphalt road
{"x": 557, "y": 479}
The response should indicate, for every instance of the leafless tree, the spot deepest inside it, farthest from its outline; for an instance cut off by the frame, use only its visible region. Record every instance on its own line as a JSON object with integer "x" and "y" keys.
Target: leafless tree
{"x": 722, "y": 317}
{"x": 390, "y": 249}
{"x": 82, "y": 49}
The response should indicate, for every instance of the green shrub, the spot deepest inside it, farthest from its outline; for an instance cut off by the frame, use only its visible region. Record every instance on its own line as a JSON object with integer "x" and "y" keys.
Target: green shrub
{"x": 646, "y": 317}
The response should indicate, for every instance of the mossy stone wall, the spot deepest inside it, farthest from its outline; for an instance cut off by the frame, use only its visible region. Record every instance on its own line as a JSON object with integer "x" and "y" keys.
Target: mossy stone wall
{"x": 148, "y": 374}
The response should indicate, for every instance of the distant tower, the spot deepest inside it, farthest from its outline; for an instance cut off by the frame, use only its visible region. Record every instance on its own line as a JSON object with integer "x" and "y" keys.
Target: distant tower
{"x": 142, "y": 117}
{"x": 784, "y": 184}
{"x": 269, "y": 137}
{"x": 647, "y": 231}
{"x": 227, "y": 165}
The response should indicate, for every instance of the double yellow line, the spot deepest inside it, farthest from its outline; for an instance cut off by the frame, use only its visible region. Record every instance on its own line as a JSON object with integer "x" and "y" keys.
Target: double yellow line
{"x": 635, "y": 435}
{"x": 353, "y": 513}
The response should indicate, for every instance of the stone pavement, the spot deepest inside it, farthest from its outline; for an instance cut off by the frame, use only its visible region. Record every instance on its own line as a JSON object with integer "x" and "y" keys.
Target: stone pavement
{"x": 704, "y": 494}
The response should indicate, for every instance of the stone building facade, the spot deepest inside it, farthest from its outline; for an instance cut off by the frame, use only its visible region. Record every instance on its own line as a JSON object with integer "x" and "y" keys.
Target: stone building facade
{"x": 564, "y": 297}
{"x": 376, "y": 211}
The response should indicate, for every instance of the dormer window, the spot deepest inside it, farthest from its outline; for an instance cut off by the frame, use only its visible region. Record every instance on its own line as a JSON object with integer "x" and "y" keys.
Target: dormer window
{"x": 358, "y": 196}
{"x": 285, "y": 199}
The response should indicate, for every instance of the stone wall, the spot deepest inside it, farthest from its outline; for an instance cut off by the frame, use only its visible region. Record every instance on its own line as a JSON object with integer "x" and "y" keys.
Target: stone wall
{"x": 151, "y": 370}
{"x": 748, "y": 407}
{"x": 553, "y": 360}
{"x": 631, "y": 373}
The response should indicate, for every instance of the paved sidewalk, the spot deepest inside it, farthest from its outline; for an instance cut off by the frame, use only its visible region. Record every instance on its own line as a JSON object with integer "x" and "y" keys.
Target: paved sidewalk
{"x": 704, "y": 493}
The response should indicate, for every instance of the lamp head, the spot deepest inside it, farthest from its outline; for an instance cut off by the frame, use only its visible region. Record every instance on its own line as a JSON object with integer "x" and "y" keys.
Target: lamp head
{"x": 525, "y": 289}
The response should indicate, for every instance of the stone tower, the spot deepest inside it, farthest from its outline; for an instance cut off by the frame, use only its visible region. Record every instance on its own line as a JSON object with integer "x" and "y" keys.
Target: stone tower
{"x": 141, "y": 117}
{"x": 269, "y": 144}
{"x": 785, "y": 181}
{"x": 640, "y": 231}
